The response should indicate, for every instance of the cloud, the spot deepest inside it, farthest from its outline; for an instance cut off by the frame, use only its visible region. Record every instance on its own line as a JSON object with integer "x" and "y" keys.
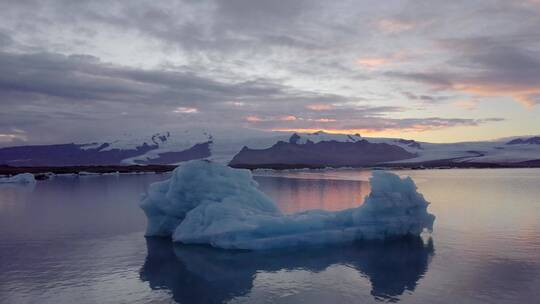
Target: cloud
{"x": 395, "y": 25}
{"x": 426, "y": 99}
{"x": 70, "y": 78}
{"x": 493, "y": 72}
{"x": 372, "y": 62}
{"x": 13, "y": 138}
{"x": 253, "y": 118}
{"x": 365, "y": 124}
{"x": 259, "y": 119}
{"x": 91, "y": 68}
{"x": 186, "y": 110}
{"x": 42, "y": 93}
{"x": 5, "y": 40}
{"x": 469, "y": 104}
{"x": 320, "y": 107}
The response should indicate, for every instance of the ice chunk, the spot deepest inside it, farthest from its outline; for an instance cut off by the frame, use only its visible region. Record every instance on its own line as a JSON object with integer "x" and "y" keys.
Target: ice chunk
{"x": 208, "y": 203}
{"x": 85, "y": 173}
{"x": 197, "y": 183}
{"x": 23, "y": 178}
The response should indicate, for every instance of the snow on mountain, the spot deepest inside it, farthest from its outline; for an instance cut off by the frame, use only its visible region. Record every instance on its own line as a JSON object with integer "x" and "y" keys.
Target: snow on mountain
{"x": 167, "y": 143}
{"x": 429, "y": 151}
{"x": 175, "y": 146}
{"x": 224, "y": 148}
{"x": 223, "y": 145}
{"x": 496, "y": 152}
{"x": 525, "y": 141}
{"x": 320, "y": 150}
{"x": 320, "y": 136}
{"x": 500, "y": 153}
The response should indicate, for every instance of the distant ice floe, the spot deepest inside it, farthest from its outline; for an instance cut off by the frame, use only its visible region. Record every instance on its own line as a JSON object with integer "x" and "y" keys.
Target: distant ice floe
{"x": 209, "y": 203}
{"x": 85, "y": 173}
{"x": 23, "y": 178}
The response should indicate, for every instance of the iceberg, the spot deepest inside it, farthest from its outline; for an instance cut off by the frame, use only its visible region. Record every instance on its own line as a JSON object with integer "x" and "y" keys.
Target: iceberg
{"x": 22, "y": 178}
{"x": 209, "y": 203}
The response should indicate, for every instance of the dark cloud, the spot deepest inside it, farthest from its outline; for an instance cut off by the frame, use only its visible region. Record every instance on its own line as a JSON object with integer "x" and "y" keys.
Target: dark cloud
{"x": 82, "y": 91}
{"x": 92, "y": 68}
{"x": 487, "y": 72}
{"x": 79, "y": 78}
{"x": 5, "y": 40}
{"x": 426, "y": 99}
{"x": 439, "y": 80}
{"x": 363, "y": 123}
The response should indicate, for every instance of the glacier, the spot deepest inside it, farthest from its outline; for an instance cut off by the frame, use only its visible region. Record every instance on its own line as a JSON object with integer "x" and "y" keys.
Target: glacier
{"x": 209, "y": 203}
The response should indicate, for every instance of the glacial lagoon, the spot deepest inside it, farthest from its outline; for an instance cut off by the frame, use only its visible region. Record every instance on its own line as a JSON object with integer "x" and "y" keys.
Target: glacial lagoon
{"x": 80, "y": 239}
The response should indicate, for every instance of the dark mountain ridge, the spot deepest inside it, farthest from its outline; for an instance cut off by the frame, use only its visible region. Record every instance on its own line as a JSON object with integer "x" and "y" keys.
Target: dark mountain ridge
{"x": 530, "y": 141}
{"x": 321, "y": 154}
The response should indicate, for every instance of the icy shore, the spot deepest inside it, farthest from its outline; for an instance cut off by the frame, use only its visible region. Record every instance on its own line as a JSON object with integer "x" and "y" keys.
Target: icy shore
{"x": 209, "y": 203}
{"x": 23, "y": 178}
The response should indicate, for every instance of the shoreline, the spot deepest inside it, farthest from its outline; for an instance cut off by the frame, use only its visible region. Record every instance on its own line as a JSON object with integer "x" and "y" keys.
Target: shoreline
{"x": 42, "y": 172}
{"x": 436, "y": 164}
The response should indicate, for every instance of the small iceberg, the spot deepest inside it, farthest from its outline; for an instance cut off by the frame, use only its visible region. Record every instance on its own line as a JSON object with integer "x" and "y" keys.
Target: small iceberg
{"x": 209, "y": 203}
{"x": 85, "y": 173}
{"x": 23, "y": 178}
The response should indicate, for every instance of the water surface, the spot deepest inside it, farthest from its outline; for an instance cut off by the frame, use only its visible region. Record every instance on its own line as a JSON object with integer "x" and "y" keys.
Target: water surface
{"x": 80, "y": 240}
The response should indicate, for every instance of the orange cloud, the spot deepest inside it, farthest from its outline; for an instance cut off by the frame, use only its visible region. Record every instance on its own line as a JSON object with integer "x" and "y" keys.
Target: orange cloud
{"x": 397, "y": 126}
{"x": 520, "y": 88}
{"x": 253, "y": 118}
{"x": 528, "y": 96}
{"x": 320, "y": 107}
{"x": 466, "y": 104}
{"x": 324, "y": 120}
{"x": 288, "y": 118}
{"x": 399, "y": 56}
{"x": 372, "y": 62}
{"x": 394, "y": 26}
{"x": 381, "y": 133}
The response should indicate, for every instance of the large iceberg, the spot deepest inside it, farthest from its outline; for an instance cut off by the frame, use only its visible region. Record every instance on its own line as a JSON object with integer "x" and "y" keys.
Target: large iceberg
{"x": 209, "y": 203}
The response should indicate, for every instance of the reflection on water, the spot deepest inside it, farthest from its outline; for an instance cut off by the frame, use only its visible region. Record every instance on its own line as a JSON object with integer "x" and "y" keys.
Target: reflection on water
{"x": 299, "y": 194}
{"x": 80, "y": 240}
{"x": 72, "y": 207}
{"x": 13, "y": 194}
{"x": 200, "y": 274}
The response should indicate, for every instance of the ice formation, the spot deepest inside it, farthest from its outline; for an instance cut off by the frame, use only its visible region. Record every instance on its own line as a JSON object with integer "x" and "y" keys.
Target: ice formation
{"x": 23, "y": 178}
{"x": 209, "y": 203}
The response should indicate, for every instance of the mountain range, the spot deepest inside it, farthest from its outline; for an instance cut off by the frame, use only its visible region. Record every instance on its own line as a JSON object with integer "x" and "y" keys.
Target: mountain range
{"x": 277, "y": 150}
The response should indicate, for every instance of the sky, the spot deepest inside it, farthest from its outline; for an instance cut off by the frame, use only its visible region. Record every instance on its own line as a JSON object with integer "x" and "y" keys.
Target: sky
{"x": 430, "y": 70}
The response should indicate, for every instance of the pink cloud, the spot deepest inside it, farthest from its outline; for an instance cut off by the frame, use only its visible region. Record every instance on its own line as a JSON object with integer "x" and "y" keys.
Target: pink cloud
{"x": 320, "y": 107}
{"x": 185, "y": 110}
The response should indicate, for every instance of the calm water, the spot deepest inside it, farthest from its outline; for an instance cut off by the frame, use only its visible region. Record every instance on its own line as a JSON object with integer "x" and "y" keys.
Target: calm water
{"x": 80, "y": 240}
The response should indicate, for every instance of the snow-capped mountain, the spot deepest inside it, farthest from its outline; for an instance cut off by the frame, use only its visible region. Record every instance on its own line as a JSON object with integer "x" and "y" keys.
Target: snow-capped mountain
{"x": 515, "y": 152}
{"x": 530, "y": 141}
{"x": 158, "y": 148}
{"x": 275, "y": 149}
{"x": 170, "y": 148}
{"x": 316, "y": 150}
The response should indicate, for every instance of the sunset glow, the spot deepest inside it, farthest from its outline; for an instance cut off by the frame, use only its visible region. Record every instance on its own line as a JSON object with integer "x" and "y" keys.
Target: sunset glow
{"x": 404, "y": 69}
